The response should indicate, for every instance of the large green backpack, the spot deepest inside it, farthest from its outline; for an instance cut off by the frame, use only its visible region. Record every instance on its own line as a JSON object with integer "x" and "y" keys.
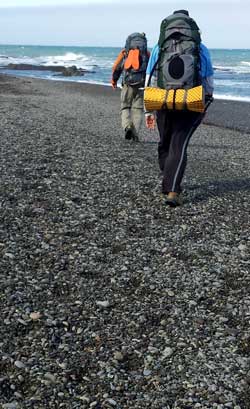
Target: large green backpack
{"x": 179, "y": 46}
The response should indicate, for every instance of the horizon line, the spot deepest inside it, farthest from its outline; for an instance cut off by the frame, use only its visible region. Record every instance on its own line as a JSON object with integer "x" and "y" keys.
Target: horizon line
{"x": 101, "y": 46}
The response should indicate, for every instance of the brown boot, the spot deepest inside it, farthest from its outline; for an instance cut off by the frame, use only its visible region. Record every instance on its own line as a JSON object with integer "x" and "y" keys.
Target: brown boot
{"x": 173, "y": 199}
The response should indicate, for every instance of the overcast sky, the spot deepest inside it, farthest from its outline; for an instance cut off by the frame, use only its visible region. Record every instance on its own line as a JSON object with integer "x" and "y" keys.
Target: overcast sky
{"x": 224, "y": 23}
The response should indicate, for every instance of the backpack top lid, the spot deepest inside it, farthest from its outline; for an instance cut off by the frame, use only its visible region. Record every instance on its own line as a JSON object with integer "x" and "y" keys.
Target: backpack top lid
{"x": 136, "y": 41}
{"x": 181, "y": 24}
{"x": 181, "y": 12}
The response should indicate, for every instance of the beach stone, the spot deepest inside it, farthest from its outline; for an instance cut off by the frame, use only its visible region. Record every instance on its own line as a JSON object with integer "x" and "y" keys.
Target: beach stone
{"x": 78, "y": 204}
{"x": 112, "y": 402}
{"x": 12, "y": 405}
{"x": 35, "y": 316}
{"x": 242, "y": 247}
{"x": 103, "y": 304}
{"x": 19, "y": 364}
{"x": 50, "y": 377}
{"x": 118, "y": 356}
{"x": 153, "y": 350}
{"x": 167, "y": 352}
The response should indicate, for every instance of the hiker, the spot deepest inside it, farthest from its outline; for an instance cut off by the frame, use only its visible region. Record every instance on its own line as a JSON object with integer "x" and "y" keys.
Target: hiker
{"x": 132, "y": 64}
{"x": 178, "y": 61}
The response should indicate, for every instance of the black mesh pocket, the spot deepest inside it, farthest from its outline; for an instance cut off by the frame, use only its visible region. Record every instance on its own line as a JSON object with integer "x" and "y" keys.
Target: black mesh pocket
{"x": 176, "y": 68}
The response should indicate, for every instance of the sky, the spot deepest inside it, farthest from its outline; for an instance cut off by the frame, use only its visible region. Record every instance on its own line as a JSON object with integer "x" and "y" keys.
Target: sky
{"x": 223, "y": 23}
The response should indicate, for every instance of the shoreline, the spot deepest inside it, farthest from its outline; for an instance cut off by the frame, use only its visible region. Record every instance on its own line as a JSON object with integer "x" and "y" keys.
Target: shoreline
{"x": 228, "y": 114}
{"x": 64, "y": 78}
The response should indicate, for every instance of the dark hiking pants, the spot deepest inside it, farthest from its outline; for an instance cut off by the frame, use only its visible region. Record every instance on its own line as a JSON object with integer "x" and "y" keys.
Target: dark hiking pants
{"x": 175, "y": 129}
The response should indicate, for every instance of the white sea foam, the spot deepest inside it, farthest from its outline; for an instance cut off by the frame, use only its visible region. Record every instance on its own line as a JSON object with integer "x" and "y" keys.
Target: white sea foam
{"x": 79, "y": 60}
{"x": 231, "y": 83}
{"x": 68, "y": 59}
{"x": 82, "y": 81}
{"x": 16, "y": 60}
{"x": 237, "y": 69}
{"x": 231, "y": 97}
{"x": 222, "y": 68}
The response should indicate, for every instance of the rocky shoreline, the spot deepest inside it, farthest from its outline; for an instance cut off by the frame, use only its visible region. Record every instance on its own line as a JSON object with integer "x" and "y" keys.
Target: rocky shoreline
{"x": 108, "y": 299}
{"x": 71, "y": 71}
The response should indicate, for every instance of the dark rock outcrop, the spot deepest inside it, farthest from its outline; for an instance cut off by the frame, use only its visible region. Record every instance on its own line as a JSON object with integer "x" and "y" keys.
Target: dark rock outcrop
{"x": 65, "y": 71}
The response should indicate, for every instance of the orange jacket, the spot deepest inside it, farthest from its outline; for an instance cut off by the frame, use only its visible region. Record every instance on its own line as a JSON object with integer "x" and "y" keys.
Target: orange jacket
{"x": 118, "y": 66}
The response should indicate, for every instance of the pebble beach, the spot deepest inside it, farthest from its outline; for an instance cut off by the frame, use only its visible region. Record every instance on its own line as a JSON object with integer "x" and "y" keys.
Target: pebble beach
{"x": 109, "y": 299}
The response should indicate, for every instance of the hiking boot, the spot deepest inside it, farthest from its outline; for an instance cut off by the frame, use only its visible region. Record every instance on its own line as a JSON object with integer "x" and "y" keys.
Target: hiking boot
{"x": 129, "y": 134}
{"x": 173, "y": 199}
{"x": 135, "y": 138}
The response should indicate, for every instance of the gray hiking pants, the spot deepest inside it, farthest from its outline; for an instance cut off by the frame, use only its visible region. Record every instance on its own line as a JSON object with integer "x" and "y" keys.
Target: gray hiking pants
{"x": 132, "y": 107}
{"x": 175, "y": 129}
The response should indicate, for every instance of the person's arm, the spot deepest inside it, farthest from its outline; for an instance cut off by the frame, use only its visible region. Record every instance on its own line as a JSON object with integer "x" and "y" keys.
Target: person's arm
{"x": 151, "y": 63}
{"x": 209, "y": 86}
{"x": 117, "y": 68}
{"x": 207, "y": 71}
{"x": 150, "y": 116}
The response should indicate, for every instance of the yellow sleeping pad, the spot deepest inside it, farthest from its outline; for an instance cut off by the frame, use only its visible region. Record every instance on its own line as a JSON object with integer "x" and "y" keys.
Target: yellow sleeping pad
{"x": 181, "y": 99}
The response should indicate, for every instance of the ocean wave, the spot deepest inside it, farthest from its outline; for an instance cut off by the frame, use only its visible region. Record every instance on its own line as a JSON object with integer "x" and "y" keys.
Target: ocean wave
{"x": 231, "y": 83}
{"x": 221, "y": 68}
{"x": 237, "y": 69}
{"x": 68, "y": 59}
{"x": 80, "y": 60}
{"x": 5, "y": 60}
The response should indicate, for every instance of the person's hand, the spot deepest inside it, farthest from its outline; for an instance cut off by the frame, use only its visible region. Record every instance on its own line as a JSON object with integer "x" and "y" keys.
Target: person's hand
{"x": 114, "y": 84}
{"x": 150, "y": 121}
{"x": 209, "y": 97}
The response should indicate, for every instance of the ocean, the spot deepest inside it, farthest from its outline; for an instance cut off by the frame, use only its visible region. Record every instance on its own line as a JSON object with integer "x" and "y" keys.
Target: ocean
{"x": 231, "y": 67}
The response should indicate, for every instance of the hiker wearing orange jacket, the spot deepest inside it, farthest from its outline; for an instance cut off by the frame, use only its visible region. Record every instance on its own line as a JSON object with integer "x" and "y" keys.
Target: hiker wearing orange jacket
{"x": 131, "y": 63}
